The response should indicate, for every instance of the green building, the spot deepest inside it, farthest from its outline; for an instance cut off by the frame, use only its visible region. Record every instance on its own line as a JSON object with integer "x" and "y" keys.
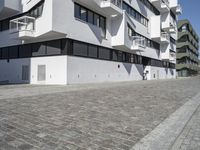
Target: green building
{"x": 187, "y": 63}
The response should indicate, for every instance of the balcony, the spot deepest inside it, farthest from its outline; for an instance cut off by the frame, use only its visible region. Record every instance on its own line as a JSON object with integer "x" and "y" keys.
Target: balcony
{"x": 139, "y": 43}
{"x": 164, "y": 6}
{"x": 9, "y": 8}
{"x": 22, "y": 28}
{"x": 165, "y": 38}
{"x": 172, "y": 29}
{"x": 112, "y": 7}
{"x": 179, "y": 10}
{"x": 161, "y": 5}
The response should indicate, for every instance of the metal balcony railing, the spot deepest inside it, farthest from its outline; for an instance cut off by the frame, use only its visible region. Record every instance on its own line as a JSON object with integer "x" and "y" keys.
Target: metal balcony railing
{"x": 117, "y": 3}
{"x": 25, "y": 23}
{"x": 139, "y": 42}
{"x": 165, "y": 36}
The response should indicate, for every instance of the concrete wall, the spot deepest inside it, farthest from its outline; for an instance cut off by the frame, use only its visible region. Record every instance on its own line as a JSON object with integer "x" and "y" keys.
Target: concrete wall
{"x": 86, "y": 70}
{"x": 156, "y": 73}
{"x": 12, "y": 70}
{"x": 56, "y": 69}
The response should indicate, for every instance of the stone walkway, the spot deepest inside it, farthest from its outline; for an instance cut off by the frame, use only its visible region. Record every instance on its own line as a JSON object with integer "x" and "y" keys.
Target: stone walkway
{"x": 189, "y": 139}
{"x": 108, "y": 116}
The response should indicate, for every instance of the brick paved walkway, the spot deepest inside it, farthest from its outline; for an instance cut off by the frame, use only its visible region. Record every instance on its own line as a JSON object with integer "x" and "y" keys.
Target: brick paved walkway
{"x": 94, "y": 117}
{"x": 190, "y": 137}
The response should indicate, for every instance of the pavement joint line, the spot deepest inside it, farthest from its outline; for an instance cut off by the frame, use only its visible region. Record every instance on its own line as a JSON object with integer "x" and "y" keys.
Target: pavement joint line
{"x": 184, "y": 133}
{"x": 166, "y": 133}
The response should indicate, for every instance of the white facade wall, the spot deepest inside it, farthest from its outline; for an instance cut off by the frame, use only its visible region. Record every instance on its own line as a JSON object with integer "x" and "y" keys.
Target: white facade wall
{"x": 84, "y": 70}
{"x": 157, "y": 73}
{"x": 58, "y": 21}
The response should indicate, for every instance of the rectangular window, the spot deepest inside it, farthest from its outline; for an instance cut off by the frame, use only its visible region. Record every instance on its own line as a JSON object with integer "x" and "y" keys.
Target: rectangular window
{"x": 54, "y": 47}
{"x": 92, "y": 51}
{"x": 5, "y": 25}
{"x": 25, "y": 51}
{"x": 77, "y": 11}
{"x": 83, "y": 14}
{"x": 103, "y": 25}
{"x": 104, "y": 53}
{"x": 13, "y": 52}
{"x": 96, "y": 20}
{"x": 80, "y": 49}
{"x": 5, "y": 53}
{"x": 114, "y": 55}
{"x": 38, "y": 49}
{"x": 90, "y": 17}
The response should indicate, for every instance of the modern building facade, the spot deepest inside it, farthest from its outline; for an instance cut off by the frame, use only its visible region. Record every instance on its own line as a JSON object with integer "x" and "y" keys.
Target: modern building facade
{"x": 76, "y": 41}
{"x": 187, "y": 50}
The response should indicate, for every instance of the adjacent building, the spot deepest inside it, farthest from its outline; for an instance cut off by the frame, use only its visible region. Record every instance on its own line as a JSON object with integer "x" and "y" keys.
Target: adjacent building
{"x": 187, "y": 50}
{"x": 84, "y": 41}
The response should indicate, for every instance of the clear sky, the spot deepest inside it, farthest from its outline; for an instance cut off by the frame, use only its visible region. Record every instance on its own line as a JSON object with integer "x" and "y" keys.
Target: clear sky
{"x": 191, "y": 11}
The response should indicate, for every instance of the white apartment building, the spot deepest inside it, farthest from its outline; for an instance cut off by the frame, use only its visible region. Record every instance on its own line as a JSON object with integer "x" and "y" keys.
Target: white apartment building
{"x": 85, "y": 41}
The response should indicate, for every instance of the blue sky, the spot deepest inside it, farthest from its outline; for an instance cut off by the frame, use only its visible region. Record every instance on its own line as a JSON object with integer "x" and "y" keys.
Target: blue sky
{"x": 191, "y": 11}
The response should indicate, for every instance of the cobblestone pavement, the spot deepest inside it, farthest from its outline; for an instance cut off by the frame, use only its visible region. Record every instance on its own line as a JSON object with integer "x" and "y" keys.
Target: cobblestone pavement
{"x": 87, "y": 117}
{"x": 190, "y": 137}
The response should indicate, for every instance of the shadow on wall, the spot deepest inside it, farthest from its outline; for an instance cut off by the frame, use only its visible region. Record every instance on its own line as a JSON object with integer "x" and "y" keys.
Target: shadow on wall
{"x": 97, "y": 32}
{"x": 142, "y": 8}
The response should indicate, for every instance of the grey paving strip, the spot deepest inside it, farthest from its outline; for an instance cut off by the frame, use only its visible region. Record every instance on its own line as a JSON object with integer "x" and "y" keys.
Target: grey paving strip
{"x": 165, "y": 134}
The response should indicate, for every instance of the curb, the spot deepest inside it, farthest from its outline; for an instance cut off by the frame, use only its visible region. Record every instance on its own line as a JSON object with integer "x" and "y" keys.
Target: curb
{"x": 165, "y": 134}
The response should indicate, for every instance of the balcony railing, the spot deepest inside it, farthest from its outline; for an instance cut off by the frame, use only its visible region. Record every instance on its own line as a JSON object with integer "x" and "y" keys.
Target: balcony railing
{"x": 139, "y": 43}
{"x": 117, "y": 3}
{"x": 165, "y": 37}
{"x": 25, "y": 23}
{"x": 179, "y": 9}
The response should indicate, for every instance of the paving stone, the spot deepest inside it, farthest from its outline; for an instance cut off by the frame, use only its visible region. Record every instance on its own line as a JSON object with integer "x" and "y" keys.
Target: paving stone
{"x": 94, "y": 117}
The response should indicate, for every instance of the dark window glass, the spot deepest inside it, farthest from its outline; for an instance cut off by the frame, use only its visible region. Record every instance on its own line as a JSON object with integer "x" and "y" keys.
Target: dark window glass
{"x": 79, "y": 49}
{"x": 92, "y": 51}
{"x": 103, "y": 25}
{"x": 90, "y": 17}
{"x": 104, "y": 53}
{"x": 64, "y": 46}
{"x": 5, "y": 53}
{"x": 13, "y": 52}
{"x": 25, "y": 51}
{"x": 77, "y": 11}
{"x": 0, "y": 53}
{"x": 83, "y": 14}
{"x": 119, "y": 56}
{"x": 96, "y": 20}
{"x": 38, "y": 49}
{"x": 54, "y": 47}
{"x": 5, "y": 25}
{"x": 114, "y": 55}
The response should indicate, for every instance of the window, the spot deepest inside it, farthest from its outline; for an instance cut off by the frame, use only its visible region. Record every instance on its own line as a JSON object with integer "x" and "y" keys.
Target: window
{"x": 92, "y": 51}
{"x": 150, "y": 6}
{"x": 4, "y": 53}
{"x": 104, "y": 53}
{"x": 64, "y": 46}
{"x": 25, "y": 51}
{"x": 114, "y": 55}
{"x": 38, "y": 49}
{"x": 96, "y": 19}
{"x": 91, "y": 17}
{"x": 79, "y": 49}
{"x": 135, "y": 14}
{"x": 83, "y": 14}
{"x": 77, "y": 11}
{"x": 54, "y": 47}
{"x": 13, "y": 52}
